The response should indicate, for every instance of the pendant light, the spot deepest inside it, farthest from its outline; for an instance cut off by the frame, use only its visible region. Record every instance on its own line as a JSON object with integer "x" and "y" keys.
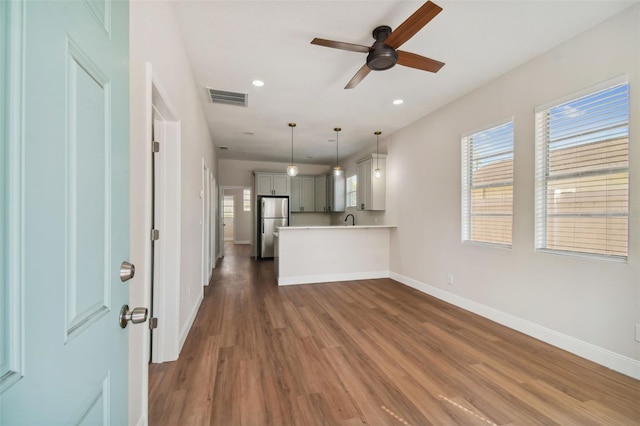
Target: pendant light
{"x": 377, "y": 172}
{"x": 337, "y": 170}
{"x": 292, "y": 169}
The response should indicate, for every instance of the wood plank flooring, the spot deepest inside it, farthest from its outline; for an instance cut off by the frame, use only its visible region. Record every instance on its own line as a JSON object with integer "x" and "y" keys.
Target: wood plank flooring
{"x": 368, "y": 352}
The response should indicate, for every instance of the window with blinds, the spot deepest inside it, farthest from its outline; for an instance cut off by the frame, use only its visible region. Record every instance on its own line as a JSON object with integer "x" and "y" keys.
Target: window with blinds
{"x": 487, "y": 185}
{"x": 582, "y": 173}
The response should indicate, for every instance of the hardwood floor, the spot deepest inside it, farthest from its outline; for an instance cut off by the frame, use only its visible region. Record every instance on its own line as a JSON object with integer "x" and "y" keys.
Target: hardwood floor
{"x": 368, "y": 352}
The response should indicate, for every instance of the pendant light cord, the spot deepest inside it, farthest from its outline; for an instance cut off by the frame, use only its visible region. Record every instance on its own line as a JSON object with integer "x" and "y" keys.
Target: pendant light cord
{"x": 292, "y": 125}
{"x": 377, "y": 150}
{"x": 378, "y": 133}
{"x": 337, "y": 129}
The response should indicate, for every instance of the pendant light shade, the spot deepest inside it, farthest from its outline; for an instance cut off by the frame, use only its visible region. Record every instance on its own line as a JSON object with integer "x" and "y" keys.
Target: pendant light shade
{"x": 292, "y": 169}
{"x": 377, "y": 172}
{"x": 337, "y": 170}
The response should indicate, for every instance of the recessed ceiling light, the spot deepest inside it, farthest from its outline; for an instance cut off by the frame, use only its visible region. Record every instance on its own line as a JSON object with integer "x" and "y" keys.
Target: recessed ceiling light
{"x": 310, "y": 158}
{"x": 249, "y": 133}
{"x": 224, "y": 148}
{"x": 398, "y": 102}
{"x": 258, "y": 83}
{"x": 332, "y": 140}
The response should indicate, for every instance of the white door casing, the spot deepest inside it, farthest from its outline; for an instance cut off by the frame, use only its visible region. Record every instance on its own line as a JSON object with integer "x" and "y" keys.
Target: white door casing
{"x": 166, "y": 297}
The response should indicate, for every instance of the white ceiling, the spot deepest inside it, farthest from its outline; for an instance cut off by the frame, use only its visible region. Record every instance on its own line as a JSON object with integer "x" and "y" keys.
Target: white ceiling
{"x": 231, "y": 43}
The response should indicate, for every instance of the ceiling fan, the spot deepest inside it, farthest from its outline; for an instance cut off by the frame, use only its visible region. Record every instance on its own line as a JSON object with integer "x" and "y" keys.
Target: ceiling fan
{"x": 383, "y": 54}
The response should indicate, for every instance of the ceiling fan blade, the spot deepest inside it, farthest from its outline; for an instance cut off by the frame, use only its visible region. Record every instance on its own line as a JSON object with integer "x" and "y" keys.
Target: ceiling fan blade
{"x": 412, "y": 60}
{"x": 341, "y": 45}
{"x": 413, "y": 24}
{"x": 360, "y": 75}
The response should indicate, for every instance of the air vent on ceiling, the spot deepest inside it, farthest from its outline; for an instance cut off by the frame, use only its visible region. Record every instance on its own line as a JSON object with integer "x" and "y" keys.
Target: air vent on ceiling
{"x": 228, "y": 98}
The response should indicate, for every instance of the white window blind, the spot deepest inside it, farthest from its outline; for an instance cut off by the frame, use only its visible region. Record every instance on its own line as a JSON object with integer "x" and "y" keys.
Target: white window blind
{"x": 487, "y": 185}
{"x": 582, "y": 174}
{"x": 228, "y": 206}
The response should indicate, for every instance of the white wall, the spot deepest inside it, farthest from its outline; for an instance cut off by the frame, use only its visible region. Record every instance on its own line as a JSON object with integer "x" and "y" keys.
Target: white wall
{"x": 155, "y": 38}
{"x": 558, "y": 298}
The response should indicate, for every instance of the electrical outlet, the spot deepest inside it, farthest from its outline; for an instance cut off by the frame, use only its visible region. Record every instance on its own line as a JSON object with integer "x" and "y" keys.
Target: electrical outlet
{"x": 450, "y": 279}
{"x": 637, "y": 332}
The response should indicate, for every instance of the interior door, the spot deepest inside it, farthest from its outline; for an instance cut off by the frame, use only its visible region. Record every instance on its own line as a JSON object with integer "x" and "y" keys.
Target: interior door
{"x": 74, "y": 201}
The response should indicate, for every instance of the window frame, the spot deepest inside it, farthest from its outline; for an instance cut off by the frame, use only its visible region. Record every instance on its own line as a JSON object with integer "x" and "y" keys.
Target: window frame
{"x": 541, "y": 180}
{"x": 467, "y": 185}
{"x": 354, "y": 177}
{"x": 246, "y": 199}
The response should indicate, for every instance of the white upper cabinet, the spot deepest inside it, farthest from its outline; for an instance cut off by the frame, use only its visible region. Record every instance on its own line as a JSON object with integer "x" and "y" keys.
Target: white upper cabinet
{"x": 271, "y": 183}
{"x": 371, "y": 190}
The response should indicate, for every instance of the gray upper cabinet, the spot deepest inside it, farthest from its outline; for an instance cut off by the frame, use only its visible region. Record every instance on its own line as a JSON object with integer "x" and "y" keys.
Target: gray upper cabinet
{"x": 321, "y": 193}
{"x": 371, "y": 191}
{"x": 271, "y": 183}
{"x": 302, "y": 193}
{"x": 336, "y": 192}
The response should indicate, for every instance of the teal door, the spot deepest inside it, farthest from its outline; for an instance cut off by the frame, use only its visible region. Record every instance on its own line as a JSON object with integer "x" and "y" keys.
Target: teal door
{"x": 65, "y": 211}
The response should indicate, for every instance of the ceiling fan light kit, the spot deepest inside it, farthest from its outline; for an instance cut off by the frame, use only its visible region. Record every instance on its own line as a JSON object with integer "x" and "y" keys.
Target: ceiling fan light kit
{"x": 384, "y": 53}
{"x": 381, "y": 57}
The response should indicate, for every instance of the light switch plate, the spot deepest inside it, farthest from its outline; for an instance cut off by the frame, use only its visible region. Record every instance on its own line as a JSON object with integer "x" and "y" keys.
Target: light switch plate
{"x": 637, "y": 332}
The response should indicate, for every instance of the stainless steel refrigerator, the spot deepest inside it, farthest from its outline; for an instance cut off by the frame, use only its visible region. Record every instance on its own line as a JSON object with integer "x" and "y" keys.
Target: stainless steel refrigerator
{"x": 272, "y": 212}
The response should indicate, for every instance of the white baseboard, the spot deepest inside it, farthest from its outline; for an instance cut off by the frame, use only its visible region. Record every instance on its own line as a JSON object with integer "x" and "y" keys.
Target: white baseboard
{"x": 311, "y": 279}
{"x": 142, "y": 421}
{"x": 605, "y": 357}
{"x": 187, "y": 327}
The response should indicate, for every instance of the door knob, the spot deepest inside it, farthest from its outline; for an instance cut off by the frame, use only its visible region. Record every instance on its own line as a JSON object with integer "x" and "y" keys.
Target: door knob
{"x": 137, "y": 316}
{"x": 127, "y": 271}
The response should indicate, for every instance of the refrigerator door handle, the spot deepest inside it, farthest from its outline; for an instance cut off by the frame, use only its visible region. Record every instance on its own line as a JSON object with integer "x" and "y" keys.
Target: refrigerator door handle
{"x": 263, "y": 226}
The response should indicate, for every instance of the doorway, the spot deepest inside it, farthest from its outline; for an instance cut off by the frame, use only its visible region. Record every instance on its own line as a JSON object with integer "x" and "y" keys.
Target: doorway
{"x": 164, "y": 217}
{"x": 237, "y": 216}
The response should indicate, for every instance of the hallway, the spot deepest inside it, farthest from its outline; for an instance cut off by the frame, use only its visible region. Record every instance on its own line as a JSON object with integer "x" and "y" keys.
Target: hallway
{"x": 368, "y": 352}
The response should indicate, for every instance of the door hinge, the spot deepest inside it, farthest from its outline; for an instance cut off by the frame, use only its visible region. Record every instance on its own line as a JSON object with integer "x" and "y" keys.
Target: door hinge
{"x": 155, "y": 234}
{"x": 156, "y": 146}
{"x": 153, "y": 323}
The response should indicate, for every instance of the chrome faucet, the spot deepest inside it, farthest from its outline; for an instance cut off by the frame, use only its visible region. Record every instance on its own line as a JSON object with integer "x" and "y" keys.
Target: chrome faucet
{"x": 353, "y": 222}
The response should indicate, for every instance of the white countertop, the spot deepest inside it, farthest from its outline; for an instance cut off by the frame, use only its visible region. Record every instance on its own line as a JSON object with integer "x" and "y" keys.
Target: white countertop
{"x": 337, "y": 227}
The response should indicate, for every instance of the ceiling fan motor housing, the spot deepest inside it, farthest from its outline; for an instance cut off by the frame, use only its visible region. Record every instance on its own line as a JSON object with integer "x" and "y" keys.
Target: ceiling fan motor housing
{"x": 382, "y": 56}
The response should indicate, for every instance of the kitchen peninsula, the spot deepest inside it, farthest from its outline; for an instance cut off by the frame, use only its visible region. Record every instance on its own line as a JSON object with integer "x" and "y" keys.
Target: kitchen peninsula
{"x": 318, "y": 254}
